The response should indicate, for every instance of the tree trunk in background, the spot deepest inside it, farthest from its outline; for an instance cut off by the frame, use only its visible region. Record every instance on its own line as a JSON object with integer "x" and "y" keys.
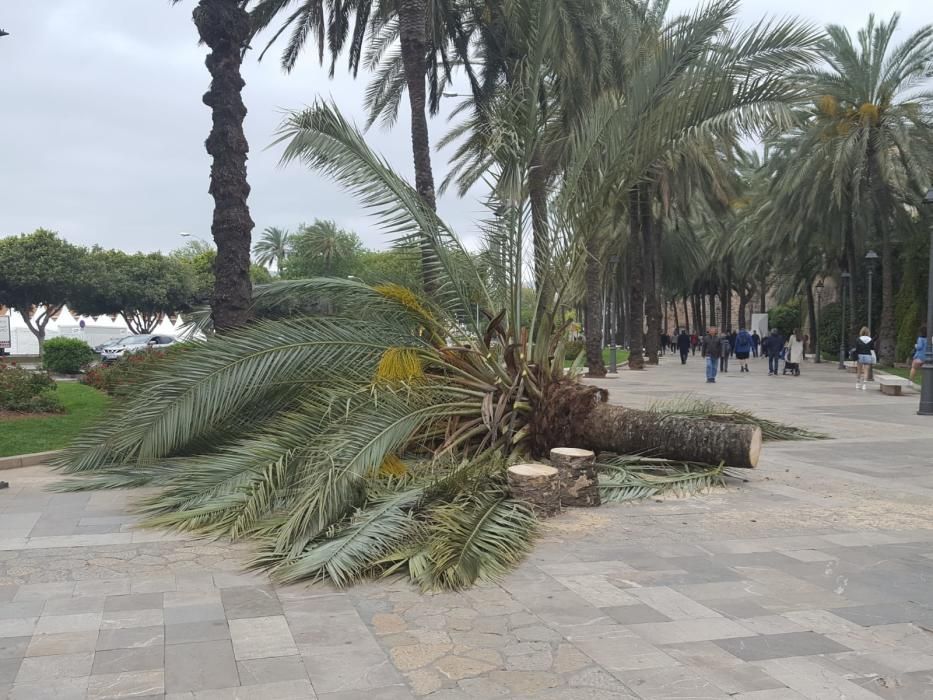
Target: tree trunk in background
{"x": 224, "y": 26}
{"x": 743, "y": 309}
{"x": 676, "y": 316}
{"x": 620, "y": 307}
{"x": 650, "y": 252}
{"x": 712, "y": 309}
{"x": 763, "y": 291}
{"x": 594, "y": 311}
{"x": 537, "y": 197}
{"x": 887, "y": 337}
{"x": 811, "y": 316}
{"x": 412, "y": 22}
{"x": 851, "y": 268}
{"x": 636, "y": 281}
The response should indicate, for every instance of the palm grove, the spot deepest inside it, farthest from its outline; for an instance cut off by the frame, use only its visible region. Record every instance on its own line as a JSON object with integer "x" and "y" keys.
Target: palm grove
{"x": 357, "y": 427}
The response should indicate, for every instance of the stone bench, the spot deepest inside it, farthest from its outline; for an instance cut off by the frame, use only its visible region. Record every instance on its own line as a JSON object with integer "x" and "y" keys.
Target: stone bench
{"x": 891, "y": 386}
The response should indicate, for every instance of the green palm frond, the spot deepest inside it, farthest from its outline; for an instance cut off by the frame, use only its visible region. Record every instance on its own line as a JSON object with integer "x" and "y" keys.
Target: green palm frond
{"x": 624, "y": 479}
{"x": 716, "y": 411}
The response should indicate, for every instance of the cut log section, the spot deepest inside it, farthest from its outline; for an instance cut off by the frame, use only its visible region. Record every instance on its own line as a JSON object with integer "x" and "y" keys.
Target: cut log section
{"x": 623, "y": 430}
{"x": 538, "y": 485}
{"x": 579, "y": 481}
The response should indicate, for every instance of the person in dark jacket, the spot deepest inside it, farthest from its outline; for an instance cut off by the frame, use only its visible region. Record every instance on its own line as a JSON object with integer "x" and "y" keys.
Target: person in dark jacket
{"x": 725, "y": 349}
{"x": 711, "y": 349}
{"x": 774, "y": 344}
{"x": 694, "y": 343}
{"x": 683, "y": 344}
{"x": 743, "y": 348}
{"x": 756, "y": 341}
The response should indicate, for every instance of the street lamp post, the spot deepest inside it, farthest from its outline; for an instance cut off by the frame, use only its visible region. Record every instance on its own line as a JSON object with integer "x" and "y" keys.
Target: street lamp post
{"x": 871, "y": 256}
{"x": 613, "y": 366}
{"x": 842, "y": 330}
{"x": 926, "y": 391}
{"x": 819, "y": 307}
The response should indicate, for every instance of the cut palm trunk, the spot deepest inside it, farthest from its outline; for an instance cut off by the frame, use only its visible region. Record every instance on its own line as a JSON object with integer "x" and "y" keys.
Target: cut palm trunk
{"x": 579, "y": 478}
{"x": 538, "y": 485}
{"x": 623, "y": 430}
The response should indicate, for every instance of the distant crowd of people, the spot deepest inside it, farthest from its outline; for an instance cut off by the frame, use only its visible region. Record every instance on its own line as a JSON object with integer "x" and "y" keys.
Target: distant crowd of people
{"x": 718, "y": 348}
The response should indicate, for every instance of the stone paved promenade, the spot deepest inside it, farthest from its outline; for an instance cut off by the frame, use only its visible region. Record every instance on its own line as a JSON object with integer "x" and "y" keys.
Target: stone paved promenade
{"x": 811, "y": 580}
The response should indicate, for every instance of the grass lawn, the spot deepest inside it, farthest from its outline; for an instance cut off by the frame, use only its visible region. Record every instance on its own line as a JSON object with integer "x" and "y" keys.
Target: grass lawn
{"x": 83, "y": 405}
{"x": 621, "y": 358}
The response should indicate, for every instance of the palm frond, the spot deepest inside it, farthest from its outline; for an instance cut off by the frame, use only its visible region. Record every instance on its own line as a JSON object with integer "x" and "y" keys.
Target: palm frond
{"x": 716, "y": 411}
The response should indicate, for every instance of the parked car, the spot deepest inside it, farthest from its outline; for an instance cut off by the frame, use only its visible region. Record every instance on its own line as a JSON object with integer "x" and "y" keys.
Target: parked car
{"x": 111, "y": 352}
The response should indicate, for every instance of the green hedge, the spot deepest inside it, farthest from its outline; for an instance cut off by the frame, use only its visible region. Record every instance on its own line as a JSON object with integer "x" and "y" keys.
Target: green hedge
{"x": 786, "y": 318}
{"x": 67, "y": 355}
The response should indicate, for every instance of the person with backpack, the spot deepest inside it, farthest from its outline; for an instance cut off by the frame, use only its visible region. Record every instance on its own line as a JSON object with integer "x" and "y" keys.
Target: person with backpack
{"x": 743, "y": 348}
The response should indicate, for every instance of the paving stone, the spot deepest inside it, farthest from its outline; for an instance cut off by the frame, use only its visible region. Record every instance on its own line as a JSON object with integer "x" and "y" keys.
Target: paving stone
{"x": 45, "y": 668}
{"x": 49, "y": 689}
{"x": 670, "y": 683}
{"x": 130, "y": 638}
{"x": 187, "y": 632}
{"x": 624, "y": 652}
{"x": 774, "y": 646}
{"x": 725, "y": 671}
{"x": 347, "y": 669}
{"x": 132, "y": 684}
{"x": 193, "y": 613}
{"x": 250, "y": 602}
{"x": 81, "y": 622}
{"x": 18, "y": 626}
{"x": 392, "y": 692}
{"x": 14, "y": 647}
{"x": 813, "y": 680}
{"x": 680, "y": 631}
{"x": 738, "y": 608}
{"x": 121, "y": 619}
{"x": 63, "y": 643}
{"x": 21, "y": 609}
{"x": 271, "y": 670}
{"x": 886, "y": 613}
{"x": 199, "y": 666}
{"x": 674, "y": 605}
{"x": 261, "y": 637}
{"x": 70, "y": 606}
{"x": 137, "y": 601}
{"x": 9, "y": 668}
{"x": 116, "y": 661}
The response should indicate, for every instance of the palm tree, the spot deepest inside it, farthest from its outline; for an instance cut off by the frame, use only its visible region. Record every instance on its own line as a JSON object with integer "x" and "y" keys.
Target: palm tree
{"x": 324, "y": 247}
{"x": 224, "y": 26}
{"x": 272, "y": 247}
{"x": 871, "y": 134}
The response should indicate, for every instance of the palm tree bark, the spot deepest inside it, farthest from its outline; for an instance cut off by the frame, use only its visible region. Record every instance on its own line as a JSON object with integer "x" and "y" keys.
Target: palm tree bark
{"x": 636, "y": 282}
{"x": 811, "y": 316}
{"x": 887, "y": 337}
{"x": 412, "y": 19}
{"x": 650, "y": 256}
{"x": 224, "y": 26}
{"x": 594, "y": 311}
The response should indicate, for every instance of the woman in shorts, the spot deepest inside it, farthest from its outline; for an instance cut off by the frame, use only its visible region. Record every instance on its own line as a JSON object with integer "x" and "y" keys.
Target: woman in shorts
{"x": 865, "y": 352}
{"x": 920, "y": 351}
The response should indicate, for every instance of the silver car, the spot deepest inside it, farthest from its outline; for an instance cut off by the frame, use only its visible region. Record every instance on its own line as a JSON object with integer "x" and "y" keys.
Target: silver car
{"x": 111, "y": 352}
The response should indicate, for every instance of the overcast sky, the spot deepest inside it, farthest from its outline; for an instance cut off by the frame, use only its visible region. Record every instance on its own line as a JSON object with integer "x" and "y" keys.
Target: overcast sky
{"x": 102, "y": 125}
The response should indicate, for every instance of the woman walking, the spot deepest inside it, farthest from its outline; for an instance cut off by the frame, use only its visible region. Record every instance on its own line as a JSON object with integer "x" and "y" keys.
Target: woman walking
{"x": 865, "y": 352}
{"x": 920, "y": 351}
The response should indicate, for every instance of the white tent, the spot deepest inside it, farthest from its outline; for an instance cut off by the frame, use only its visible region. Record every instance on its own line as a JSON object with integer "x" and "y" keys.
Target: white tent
{"x": 165, "y": 327}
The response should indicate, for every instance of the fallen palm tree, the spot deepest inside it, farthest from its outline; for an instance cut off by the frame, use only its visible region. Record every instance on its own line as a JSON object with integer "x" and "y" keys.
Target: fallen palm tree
{"x": 375, "y": 439}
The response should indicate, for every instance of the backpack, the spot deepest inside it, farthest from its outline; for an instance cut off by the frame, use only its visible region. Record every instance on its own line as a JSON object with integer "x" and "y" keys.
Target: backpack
{"x": 743, "y": 342}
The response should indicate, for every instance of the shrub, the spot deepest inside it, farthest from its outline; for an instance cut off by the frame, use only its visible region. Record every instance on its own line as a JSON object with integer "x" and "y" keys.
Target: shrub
{"x": 785, "y": 318}
{"x": 24, "y": 391}
{"x": 573, "y": 348}
{"x": 830, "y": 325}
{"x": 67, "y": 355}
{"x": 118, "y": 378}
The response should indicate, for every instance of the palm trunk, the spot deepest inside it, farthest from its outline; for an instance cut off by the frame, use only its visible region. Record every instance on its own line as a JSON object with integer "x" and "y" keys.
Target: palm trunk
{"x": 224, "y": 26}
{"x": 676, "y": 316}
{"x": 743, "y": 308}
{"x": 811, "y": 314}
{"x": 887, "y": 338}
{"x": 712, "y": 309}
{"x": 537, "y": 197}
{"x": 412, "y": 19}
{"x": 636, "y": 281}
{"x": 650, "y": 256}
{"x": 594, "y": 311}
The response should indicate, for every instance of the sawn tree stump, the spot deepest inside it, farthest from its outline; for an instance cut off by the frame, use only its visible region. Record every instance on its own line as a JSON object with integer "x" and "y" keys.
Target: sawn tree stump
{"x": 612, "y": 428}
{"x": 579, "y": 481}
{"x": 538, "y": 485}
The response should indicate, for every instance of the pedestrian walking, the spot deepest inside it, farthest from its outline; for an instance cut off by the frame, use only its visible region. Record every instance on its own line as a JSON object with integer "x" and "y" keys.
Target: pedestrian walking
{"x": 743, "y": 348}
{"x": 865, "y": 352}
{"x": 756, "y": 341}
{"x": 732, "y": 337}
{"x": 725, "y": 349}
{"x": 794, "y": 353}
{"x": 694, "y": 343}
{"x": 773, "y": 346}
{"x": 920, "y": 351}
{"x": 711, "y": 350}
{"x": 683, "y": 344}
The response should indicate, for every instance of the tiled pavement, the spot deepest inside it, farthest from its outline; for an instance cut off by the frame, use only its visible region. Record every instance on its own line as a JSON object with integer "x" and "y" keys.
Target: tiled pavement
{"x": 810, "y": 580}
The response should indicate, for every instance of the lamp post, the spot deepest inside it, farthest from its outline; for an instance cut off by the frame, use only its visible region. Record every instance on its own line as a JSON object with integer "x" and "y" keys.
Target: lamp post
{"x": 842, "y": 330}
{"x": 926, "y": 391}
{"x": 819, "y": 307}
{"x": 613, "y": 367}
{"x": 871, "y": 256}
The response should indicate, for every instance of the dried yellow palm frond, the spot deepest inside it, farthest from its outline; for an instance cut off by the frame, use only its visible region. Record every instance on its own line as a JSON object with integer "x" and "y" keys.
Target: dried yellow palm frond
{"x": 870, "y": 114}
{"x": 828, "y": 105}
{"x": 405, "y": 297}
{"x": 399, "y": 365}
{"x": 393, "y": 466}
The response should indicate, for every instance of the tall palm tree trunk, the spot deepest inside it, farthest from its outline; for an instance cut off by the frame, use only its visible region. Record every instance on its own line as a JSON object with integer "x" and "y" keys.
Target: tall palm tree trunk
{"x": 412, "y": 19}
{"x": 594, "y": 310}
{"x": 224, "y": 26}
{"x": 651, "y": 256}
{"x": 887, "y": 338}
{"x": 811, "y": 316}
{"x": 537, "y": 196}
{"x": 636, "y": 283}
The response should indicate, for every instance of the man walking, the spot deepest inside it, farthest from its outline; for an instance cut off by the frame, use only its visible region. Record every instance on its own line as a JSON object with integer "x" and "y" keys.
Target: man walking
{"x": 743, "y": 347}
{"x": 725, "y": 349}
{"x": 683, "y": 344}
{"x": 756, "y": 341}
{"x": 711, "y": 351}
{"x": 775, "y": 346}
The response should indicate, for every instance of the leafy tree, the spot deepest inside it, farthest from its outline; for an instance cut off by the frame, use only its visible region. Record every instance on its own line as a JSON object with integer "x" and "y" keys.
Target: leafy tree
{"x": 322, "y": 249}
{"x": 397, "y": 266}
{"x": 38, "y": 270}
{"x": 224, "y": 26}
{"x": 200, "y": 258}
{"x": 139, "y": 287}
{"x": 272, "y": 247}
